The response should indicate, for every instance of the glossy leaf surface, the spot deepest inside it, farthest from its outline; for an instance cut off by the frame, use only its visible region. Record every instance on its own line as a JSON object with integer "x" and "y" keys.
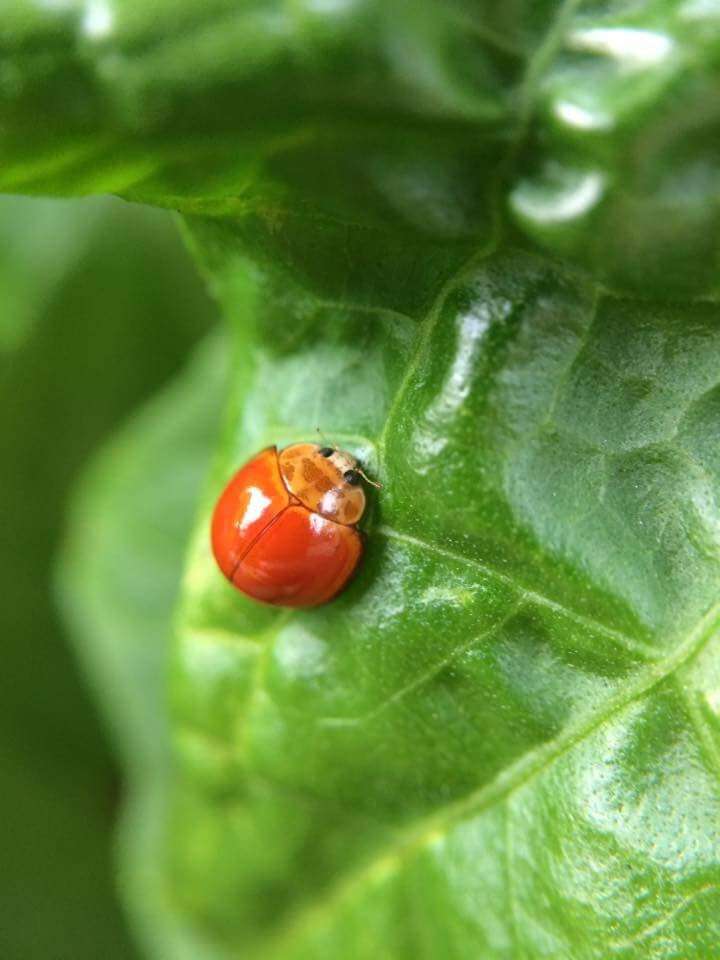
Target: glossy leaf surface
{"x": 503, "y": 736}
{"x": 503, "y": 739}
{"x": 302, "y": 122}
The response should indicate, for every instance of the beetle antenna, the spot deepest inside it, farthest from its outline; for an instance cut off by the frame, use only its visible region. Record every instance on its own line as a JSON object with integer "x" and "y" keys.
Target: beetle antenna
{"x": 325, "y": 440}
{"x": 373, "y": 483}
{"x": 334, "y": 446}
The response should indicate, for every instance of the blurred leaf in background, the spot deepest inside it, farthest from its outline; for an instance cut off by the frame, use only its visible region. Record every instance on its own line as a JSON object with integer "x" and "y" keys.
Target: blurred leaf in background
{"x": 99, "y": 307}
{"x": 119, "y": 576}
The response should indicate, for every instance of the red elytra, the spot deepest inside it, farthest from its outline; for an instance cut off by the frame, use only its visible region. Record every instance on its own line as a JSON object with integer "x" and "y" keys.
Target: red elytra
{"x": 283, "y": 530}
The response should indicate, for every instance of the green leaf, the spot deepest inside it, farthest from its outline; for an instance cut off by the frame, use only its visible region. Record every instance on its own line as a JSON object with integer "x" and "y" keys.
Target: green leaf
{"x": 502, "y": 740}
{"x": 316, "y": 125}
{"x": 626, "y": 176}
{"x": 38, "y": 253}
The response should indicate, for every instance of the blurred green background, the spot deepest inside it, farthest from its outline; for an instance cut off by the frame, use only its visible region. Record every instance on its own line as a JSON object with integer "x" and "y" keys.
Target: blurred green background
{"x": 100, "y": 305}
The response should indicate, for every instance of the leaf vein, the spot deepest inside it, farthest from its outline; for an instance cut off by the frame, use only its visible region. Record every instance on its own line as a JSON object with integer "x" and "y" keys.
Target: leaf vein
{"x": 510, "y": 880}
{"x": 705, "y": 735}
{"x": 425, "y": 677}
{"x": 435, "y": 826}
{"x": 427, "y": 327}
{"x": 663, "y": 921}
{"x": 637, "y": 647}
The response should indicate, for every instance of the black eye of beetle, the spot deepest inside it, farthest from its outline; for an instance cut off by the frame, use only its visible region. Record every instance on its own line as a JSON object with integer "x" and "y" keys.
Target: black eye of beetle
{"x": 352, "y": 477}
{"x": 326, "y": 451}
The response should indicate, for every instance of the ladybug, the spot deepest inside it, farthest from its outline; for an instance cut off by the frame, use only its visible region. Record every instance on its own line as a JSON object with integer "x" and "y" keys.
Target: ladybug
{"x": 284, "y": 528}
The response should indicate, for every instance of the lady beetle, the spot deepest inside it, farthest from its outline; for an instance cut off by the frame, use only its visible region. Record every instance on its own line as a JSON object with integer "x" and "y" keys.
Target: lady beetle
{"x": 284, "y": 529}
